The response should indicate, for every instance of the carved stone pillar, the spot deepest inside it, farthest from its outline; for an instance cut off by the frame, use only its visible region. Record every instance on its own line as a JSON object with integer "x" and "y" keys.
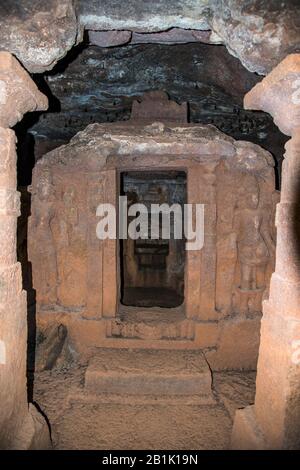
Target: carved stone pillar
{"x": 209, "y": 251}
{"x": 102, "y": 282}
{"x": 21, "y": 426}
{"x": 273, "y": 422}
{"x": 200, "y": 277}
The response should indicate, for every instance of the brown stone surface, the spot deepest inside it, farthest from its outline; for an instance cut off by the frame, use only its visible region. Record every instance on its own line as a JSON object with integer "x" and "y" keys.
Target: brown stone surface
{"x": 18, "y": 425}
{"x": 41, "y": 438}
{"x": 109, "y": 38}
{"x": 33, "y": 434}
{"x": 18, "y": 93}
{"x": 13, "y": 371}
{"x": 156, "y": 106}
{"x": 206, "y": 334}
{"x": 80, "y": 331}
{"x": 237, "y": 344}
{"x": 278, "y": 94}
{"x": 235, "y": 389}
{"x": 175, "y": 36}
{"x": 246, "y": 435}
{"x": 277, "y": 408}
{"x": 144, "y": 372}
{"x": 151, "y": 324}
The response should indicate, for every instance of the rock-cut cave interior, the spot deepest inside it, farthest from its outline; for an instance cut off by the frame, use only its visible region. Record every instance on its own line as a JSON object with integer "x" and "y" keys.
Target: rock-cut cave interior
{"x": 162, "y": 121}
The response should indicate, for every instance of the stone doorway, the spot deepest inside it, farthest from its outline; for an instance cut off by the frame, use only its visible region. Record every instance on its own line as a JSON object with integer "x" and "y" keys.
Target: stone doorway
{"x": 152, "y": 269}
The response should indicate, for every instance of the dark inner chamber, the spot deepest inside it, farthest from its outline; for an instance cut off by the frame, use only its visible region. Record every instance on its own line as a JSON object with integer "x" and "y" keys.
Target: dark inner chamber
{"x": 152, "y": 270}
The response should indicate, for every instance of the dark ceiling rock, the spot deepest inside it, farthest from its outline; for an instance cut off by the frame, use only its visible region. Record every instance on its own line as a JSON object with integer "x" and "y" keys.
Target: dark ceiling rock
{"x": 37, "y": 32}
{"x": 99, "y": 85}
{"x": 259, "y": 32}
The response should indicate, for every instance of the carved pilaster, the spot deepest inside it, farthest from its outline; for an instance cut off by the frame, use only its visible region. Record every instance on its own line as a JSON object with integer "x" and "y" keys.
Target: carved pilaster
{"x": 17, "y": 424}
{"x": 274, "y": 421}
{"x": 95, "y": 196}
{"x": 209, "y": 250}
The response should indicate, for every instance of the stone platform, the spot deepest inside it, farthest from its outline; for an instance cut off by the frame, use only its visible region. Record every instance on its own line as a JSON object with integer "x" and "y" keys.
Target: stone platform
{"x": 148, "y": 373}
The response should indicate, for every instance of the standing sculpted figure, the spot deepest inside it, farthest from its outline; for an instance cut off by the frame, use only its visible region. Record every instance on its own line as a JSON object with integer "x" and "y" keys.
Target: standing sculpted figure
{"x": 71, "y": 251}
{"x": 254, "y": 241}
{"x": 42, "y": 247}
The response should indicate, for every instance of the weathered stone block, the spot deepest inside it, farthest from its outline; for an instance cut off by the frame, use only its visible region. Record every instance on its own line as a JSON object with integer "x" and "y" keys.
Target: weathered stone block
{"x": 206, "y": 334}
{"x": 18, "y": 93}
{"x": 10, "y": 283}
{"x": 147, "y": 372}
{"x": 278, "y": 381}
{"x": 8, "y": 159}
{"x": 237, "y": 345}
{"x": 246, "y": 435}
{"x": 39, "y": 34}
{"x": 8, "y": 235}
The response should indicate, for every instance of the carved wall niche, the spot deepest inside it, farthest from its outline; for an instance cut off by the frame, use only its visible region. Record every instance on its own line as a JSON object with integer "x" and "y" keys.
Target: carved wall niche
{"x": 76, "y": 273}
{"x": 246, "y": 202}
{"x": 59, "y": 245}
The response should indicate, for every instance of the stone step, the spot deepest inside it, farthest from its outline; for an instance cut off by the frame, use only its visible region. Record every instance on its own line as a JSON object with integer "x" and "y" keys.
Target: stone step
{"x": 151, "y": 331}
{"x": 148, "y": 372}
{"x": 151, "y": 324}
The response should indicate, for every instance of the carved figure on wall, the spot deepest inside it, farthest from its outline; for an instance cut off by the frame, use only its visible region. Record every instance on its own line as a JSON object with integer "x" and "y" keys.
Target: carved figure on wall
{"x": 71, "y": 251}
{"x": 255, "y": 245}
{"x": 42, "y": 245}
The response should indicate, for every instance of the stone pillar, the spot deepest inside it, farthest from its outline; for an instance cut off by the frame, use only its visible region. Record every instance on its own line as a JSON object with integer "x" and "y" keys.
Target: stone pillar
{"x": 273, "y": 422}
{"x": 200, "y": 275}
{"x": 21, "y": 426}
{"x": 207, "y": 182}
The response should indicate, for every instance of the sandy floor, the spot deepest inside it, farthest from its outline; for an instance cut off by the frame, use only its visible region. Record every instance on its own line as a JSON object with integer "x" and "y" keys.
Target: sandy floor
{"x": 127, "y": 423}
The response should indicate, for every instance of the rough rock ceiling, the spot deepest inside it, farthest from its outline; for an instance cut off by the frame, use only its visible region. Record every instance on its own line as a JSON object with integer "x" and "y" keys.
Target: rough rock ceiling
{"x": 259, "y": 32}
{"x": 38, "y": 32}
{"x": 167, "y": 44}
{"x": 97, "y": 84}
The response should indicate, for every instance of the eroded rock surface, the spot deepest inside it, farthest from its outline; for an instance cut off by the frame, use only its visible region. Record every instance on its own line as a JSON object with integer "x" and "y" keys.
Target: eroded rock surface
{"x": 100, "y": 84}
{"x": 260, "y": 33}
{"x": 143, "y": 16}
{"x": 38, "y": 33}
{"x": 18, "y": 93}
